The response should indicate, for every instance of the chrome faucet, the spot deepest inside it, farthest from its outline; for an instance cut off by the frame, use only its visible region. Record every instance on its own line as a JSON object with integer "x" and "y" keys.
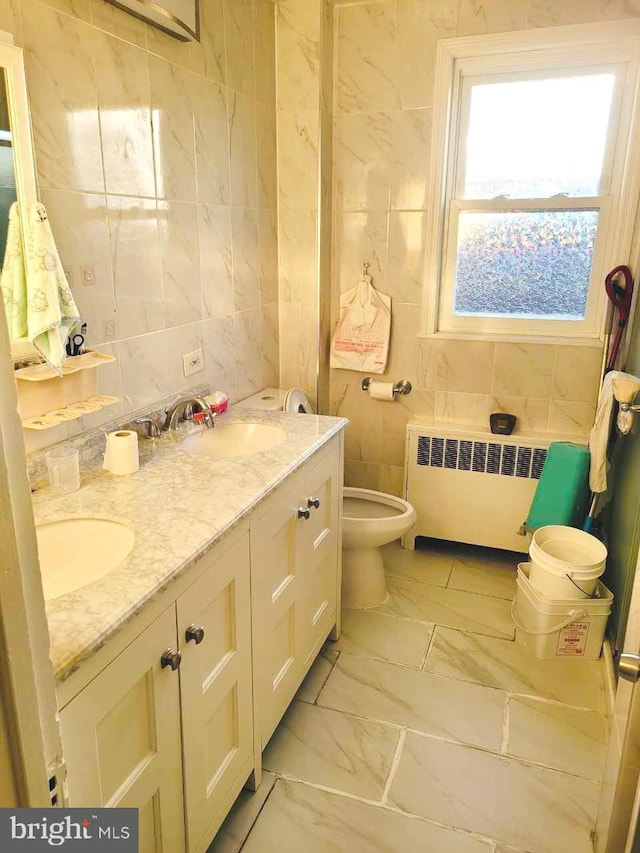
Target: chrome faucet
{"x": 183, "y": 409}
{"x": 146, "y": 427}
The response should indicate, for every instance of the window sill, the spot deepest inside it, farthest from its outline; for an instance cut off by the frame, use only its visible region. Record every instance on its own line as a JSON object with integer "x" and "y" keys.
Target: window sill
{"x": 556, "y": 340}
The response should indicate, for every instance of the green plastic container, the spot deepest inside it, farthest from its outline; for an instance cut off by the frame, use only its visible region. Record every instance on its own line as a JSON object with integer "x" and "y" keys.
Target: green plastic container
{"x": 563, "y": 489}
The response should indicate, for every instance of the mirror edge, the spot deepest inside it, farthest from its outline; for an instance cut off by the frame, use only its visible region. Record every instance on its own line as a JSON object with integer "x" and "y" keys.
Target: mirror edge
{"x": 12, "y": 61}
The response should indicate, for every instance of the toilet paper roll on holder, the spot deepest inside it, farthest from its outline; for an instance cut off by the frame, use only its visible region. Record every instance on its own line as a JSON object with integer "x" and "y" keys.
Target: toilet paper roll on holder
{"x": 403, "y": 386}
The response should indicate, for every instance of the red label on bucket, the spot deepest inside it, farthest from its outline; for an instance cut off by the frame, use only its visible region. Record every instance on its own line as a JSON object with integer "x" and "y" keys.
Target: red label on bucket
{"x": 572, "y": 639}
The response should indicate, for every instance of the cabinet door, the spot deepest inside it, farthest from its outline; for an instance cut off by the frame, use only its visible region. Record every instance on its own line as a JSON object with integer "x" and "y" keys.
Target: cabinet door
{"x": 318, "y": 545}
{"x": 216, "y": 691}
{"x": 121, "y": 738}
{"x": 277, "y": 622}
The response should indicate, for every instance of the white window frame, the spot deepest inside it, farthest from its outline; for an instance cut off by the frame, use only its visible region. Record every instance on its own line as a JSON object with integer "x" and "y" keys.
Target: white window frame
{"x": 552, "y": 51}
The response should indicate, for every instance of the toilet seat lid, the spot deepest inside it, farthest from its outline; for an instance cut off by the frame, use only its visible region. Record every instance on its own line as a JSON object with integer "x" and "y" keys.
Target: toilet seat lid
{"x": 296, "y": 401}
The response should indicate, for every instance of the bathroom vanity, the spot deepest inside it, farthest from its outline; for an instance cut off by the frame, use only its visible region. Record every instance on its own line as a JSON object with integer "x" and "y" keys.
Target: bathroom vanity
{"x": 174, "y": 669}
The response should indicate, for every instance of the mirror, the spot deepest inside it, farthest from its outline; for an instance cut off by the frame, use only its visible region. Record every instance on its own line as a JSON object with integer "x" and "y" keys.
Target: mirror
{"x": 177, "y": 18}
{"x": 7, "y": 173}
{"x": 17, "y": 163}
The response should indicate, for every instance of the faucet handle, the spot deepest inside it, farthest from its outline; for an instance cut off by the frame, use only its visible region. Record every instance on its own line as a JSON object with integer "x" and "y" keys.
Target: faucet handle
{"x": 151, "y": 424}
{"x": 146, "y": 426}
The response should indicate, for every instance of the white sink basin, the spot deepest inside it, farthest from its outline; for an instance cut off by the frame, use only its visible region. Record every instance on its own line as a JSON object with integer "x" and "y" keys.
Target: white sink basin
{"x": 228, "y": 440}
{"x": 75, "y": 552}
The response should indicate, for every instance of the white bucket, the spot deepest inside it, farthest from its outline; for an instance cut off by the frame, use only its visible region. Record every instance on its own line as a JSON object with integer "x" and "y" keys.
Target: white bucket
{"x": 559, "y": 629}
{"x": 565, "y": 562}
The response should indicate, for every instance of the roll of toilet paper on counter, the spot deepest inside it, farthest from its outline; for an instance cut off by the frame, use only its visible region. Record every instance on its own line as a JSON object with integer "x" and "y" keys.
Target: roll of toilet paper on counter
{"x": 381, "y": 390}
{"x": 121, "y": 452}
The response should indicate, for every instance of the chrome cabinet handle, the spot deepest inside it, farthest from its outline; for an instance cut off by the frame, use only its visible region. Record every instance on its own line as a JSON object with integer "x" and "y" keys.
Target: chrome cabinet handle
{"x": 303, "y": 512}
{"x": 195, "y": 633}
{"x": 171, "y": 659}
{"x": 313, "y": 502}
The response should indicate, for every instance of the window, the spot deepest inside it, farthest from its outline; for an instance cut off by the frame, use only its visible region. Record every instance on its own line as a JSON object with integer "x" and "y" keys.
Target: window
{"x": 532, "y": 174}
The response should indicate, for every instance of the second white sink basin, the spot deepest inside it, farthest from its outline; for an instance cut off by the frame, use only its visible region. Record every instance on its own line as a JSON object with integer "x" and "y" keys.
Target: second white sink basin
{"x": 75, "y": 552}
{"x": 228, "y": 440}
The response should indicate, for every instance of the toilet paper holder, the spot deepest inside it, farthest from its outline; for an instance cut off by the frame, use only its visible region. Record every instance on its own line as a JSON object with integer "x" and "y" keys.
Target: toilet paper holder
{"x": 403, "y": 386}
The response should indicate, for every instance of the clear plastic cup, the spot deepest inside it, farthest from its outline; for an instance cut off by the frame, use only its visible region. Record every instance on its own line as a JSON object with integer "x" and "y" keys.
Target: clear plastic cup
{"x": 63, "y": 466}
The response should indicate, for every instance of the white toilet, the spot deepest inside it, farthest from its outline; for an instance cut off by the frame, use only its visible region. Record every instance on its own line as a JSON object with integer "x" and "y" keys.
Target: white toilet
{"x": 370, "y": 519}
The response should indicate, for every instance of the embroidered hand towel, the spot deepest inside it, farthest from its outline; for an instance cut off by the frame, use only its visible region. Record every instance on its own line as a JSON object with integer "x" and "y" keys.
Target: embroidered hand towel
{"x": 51, "y": 310}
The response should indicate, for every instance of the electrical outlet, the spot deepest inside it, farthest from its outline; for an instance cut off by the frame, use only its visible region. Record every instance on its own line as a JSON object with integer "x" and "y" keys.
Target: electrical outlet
{"x": 193, "y": 362}
{"x": 88, "y": 275}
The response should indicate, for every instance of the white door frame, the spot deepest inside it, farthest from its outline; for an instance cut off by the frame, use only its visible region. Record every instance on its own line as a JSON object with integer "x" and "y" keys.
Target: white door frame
{"x": 617, "y": 820}
{"x": 28, "y": 687}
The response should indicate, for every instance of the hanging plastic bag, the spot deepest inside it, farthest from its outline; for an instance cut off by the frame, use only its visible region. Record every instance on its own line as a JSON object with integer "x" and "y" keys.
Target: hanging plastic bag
{"x": 361, "y": 339}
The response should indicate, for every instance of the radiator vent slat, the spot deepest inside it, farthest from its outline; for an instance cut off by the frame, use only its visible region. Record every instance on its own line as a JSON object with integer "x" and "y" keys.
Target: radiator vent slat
{"x": 508, "y": 460}
{"x": 424, "y": 450}
{"x": 493, "y": 459}
{"x": 437, "y": 452}
{"x": 464, "y": 457}
{"x": 505, "y": 460}
{"x": 451, "y": 453}
{"x": 523, "y": 465}
{"x": 479, "y": 456}
{"x": 539, "y": 457}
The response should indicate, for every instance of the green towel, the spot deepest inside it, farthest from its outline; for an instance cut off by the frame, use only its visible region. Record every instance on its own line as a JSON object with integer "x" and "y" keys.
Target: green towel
{"x": 563, "y": 489}
{"x": 13, "y": 281}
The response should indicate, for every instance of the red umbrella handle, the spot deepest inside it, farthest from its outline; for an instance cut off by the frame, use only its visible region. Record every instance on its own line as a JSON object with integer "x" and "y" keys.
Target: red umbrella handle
{"x": 620, "y": 296}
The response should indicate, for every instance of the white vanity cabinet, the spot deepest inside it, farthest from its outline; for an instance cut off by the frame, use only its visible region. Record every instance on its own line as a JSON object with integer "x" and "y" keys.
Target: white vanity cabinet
{"x": 295, "y": 546}
{"x": 172, "y": 714}
{"x": 141, "y": 729}
{"x": 121, "y": 739}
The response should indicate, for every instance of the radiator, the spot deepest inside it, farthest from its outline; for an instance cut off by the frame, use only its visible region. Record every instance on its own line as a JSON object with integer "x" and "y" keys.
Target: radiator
{"x": 470, "y": 485}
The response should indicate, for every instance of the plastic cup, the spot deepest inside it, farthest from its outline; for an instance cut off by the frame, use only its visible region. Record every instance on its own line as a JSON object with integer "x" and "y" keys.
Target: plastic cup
{"x": 63, "y": 466}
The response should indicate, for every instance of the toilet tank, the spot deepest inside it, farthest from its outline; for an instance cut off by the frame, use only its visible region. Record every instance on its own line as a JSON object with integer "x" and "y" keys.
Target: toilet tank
{"x": 269, "y": 399}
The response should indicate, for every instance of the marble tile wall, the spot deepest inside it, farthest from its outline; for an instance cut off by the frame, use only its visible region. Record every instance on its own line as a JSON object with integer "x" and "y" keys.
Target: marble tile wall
{"x": 157, "y": 163}
{"x": 304, "y": 30}
{"x": 383, "y": 92}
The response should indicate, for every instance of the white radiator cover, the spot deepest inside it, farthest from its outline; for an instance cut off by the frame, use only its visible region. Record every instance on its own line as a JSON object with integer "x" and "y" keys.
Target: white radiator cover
{"x": 472, "y": 486}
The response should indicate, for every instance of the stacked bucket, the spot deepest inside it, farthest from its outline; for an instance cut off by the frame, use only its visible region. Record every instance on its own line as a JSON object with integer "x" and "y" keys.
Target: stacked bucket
{"x": 561, "y": 607}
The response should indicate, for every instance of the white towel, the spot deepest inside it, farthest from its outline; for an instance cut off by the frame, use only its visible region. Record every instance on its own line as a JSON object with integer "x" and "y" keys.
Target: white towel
{"x": 599, "y": 436}
{"x": 361, "y": 339}
{"x": 51, "y": 310}
{"x": 13, "y": 281}
{"x": 37, "y": 297}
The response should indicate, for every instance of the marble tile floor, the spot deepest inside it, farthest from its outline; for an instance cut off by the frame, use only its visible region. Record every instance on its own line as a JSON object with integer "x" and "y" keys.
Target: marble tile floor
{"x": 427, "y": 728}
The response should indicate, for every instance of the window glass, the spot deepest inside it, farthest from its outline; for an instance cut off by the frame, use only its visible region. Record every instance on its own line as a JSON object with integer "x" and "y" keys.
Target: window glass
{"x": 524, "y": 264}
{"x": 537, "y": 138}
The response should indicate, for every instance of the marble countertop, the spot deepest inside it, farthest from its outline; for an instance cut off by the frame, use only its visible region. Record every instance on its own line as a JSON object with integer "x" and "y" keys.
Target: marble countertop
{"x": 179, "y": 506}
